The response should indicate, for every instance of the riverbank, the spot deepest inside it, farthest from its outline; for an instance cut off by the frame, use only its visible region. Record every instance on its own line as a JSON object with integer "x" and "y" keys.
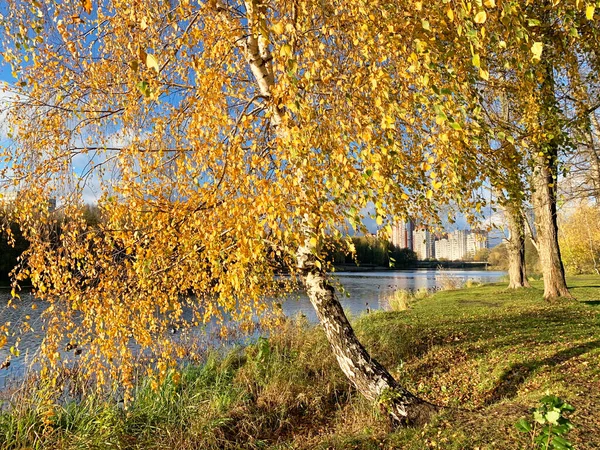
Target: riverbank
{"x": 474, "y": 265}
{"x": 488, "y": 352}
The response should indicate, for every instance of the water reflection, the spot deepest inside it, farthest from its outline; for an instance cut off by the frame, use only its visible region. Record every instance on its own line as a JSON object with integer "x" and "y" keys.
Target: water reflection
{"x": 363, "y": 290}
{"x": 371, "y": 290}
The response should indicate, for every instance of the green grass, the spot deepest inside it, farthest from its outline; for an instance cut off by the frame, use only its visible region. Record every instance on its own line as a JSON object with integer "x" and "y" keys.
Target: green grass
{"x": 487, "y": 353}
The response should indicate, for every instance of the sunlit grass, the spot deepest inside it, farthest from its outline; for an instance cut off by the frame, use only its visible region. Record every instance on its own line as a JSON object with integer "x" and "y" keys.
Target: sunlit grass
{"x": 486, "y": 352}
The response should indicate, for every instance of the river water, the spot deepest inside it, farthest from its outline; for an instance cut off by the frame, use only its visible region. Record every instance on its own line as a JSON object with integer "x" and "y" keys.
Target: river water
{"x": 365, "y": 291}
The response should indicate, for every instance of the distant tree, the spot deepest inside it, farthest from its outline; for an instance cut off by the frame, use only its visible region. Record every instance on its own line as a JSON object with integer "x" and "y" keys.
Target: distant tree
{"x": 402, "y": 257}
{"x": 481, "y": 255}
{"x": 11, "y": 247}
{"x": 580, "y": 239}
{"x": 91, "y": 215}
{"x": 372, "y": 250}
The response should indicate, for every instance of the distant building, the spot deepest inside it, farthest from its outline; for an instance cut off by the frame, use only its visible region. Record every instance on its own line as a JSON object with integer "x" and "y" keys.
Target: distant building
{"x": 460, "y": 245}
{"x": 402, "y": 234}
{"x": 423, "y": 242}
{"x": 8, "y": 197}
{"x": 7, "y": 200}
{"x": 442, "y": 248}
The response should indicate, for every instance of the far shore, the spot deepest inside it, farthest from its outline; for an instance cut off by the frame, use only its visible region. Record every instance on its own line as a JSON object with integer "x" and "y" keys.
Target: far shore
{"x": 418, "y": 265}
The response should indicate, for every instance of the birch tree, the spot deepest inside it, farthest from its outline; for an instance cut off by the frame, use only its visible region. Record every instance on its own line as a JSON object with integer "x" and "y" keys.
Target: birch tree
{"x": 227, "y": 140}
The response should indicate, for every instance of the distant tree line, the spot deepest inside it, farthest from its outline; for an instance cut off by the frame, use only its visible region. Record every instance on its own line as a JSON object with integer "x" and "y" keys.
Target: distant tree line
{"x": 10, "y": 252}
{"x": 374, "y": 251}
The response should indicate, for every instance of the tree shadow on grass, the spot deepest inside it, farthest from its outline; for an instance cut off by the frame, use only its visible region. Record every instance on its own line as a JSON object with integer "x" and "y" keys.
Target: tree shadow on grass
{"x": 516, "y": 375}
{"x": 591, "y": 302}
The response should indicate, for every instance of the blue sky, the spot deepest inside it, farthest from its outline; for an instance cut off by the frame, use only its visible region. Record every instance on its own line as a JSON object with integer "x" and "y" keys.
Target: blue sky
{"x": 5, "y": 74}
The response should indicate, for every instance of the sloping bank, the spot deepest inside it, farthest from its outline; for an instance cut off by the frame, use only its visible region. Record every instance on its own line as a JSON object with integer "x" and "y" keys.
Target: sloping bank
{"x": 487, "y": 353}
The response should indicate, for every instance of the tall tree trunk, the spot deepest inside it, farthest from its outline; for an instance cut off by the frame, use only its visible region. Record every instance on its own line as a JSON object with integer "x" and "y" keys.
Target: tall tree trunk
{"x": 545, "y": 178}
{"x": 516, "y": 247}
{"x": 369, "y": 377}
{"x": 544, "y": 203}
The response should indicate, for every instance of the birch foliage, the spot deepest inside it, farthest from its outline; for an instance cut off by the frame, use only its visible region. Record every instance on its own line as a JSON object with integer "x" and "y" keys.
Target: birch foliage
{"x": 212, "y": 131}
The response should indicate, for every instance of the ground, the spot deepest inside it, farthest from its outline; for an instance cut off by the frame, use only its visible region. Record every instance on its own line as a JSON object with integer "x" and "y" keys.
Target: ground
{"x": 485, "y": 353}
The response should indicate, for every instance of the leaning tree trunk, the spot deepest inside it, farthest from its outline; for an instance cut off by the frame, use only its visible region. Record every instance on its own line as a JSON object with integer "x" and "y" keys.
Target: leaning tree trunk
{"x": 544, "y": 204}
{"x": 516, "y": 247}
{"x": 369, "y": 377}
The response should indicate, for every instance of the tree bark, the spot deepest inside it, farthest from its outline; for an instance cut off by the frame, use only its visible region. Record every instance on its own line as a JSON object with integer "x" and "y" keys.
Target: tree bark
{"x": 544, "y": 203}
{"x": 366, "y": 374}
{"x": 516, "y": 247}
{"x": 545, "y": 178}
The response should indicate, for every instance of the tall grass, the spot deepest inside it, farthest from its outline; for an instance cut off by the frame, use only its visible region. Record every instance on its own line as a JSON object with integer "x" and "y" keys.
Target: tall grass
{"x": 488, "y": 350}
{"x": 401, "y": 299}
{"x": 447, "y": 282}
{"x": 228, "y": 401}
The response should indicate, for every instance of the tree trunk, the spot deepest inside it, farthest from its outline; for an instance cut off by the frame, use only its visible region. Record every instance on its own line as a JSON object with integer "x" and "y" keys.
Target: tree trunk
{"x": 545, "y": 177}
{"x": 516, "y": 247}
{"x": 544, "y": 203}
{"x": 369, "y": 377}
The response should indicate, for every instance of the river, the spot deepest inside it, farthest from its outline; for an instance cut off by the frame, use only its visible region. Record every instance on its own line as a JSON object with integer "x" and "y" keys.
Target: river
{"x": 367, "y": 290}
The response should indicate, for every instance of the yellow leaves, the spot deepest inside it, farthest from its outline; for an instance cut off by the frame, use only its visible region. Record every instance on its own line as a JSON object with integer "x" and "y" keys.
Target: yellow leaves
{"x": 484, "y": 74}
{"x": 589, "y": 12}
{"x": 480, "y": 17}
{"x": 340, "y": 105}
{"x": 286, "y": 51}
{"x": 87, "y": 6}
{"x": 387, "y": 122}
{"x": 536, "y": 50}
{"x": 152, "y": 62}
